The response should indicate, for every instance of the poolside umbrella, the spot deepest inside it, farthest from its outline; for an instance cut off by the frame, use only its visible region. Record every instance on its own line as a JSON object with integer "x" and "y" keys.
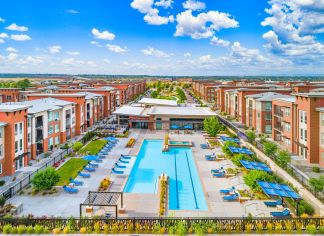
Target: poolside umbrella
{"x": 175, "y": 126}
{"x": 187, "y": 127}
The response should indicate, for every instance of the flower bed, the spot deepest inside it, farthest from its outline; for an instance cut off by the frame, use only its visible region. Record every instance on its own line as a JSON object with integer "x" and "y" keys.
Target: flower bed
{"x": 163, "y": 194}
{"x": 131, "y": 142}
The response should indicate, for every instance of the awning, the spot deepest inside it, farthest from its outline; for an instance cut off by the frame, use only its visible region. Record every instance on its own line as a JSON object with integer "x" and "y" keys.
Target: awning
{"x": 237, "y": 150}
{"x": 251, "y": 165}
{"x": 224, "y": 139}
{"x": 280, "y": 190}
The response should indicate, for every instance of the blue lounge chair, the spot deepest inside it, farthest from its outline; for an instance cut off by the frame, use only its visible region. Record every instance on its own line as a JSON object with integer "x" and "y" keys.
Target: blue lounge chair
{"x": 120, "y": 166}
{"x": 89, "y": 169}
{"x": 76, "y": 182}
{"x": 126, "y": 157}
{"x": 117, "y": 171}
{"x": 227, "y": 190}
{"x": 98, "y": 160}
{"x": 273, "y": 203}
{"x": 210, "y": 158}
{"x": 232, "y": 197}
{"x": 70, "y": 190}
{"x": 94, "y": 165}
{"x": 219, "y": 175}
{"x": 217, "y": 170}
{"x": 123, "y": 161}
{"x": 84, "y": 175}
{"x": 284, "y": 213}
{"x": 204, "y": 145}
{"x": 102, "y": 156}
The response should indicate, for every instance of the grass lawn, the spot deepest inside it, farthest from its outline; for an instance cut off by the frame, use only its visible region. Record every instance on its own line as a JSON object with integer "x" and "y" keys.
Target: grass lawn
{"x": 93, "y": 147}
{"x": 70, "y": 170}
{"x": 167, "y": 98}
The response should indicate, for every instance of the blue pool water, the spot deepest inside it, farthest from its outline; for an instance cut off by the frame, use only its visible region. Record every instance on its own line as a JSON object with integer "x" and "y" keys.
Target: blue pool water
{"x": 185, "y": 191}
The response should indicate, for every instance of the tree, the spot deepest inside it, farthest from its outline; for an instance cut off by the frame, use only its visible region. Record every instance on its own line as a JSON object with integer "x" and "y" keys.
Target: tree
{"x": 226, "y": 146}
{"x": 270, "y": 148}
{"x": 2, "y": 201}
{"x": 250, "y": 179}
{"x": 77, "y": 146}
{"x": 251, "y": 136}
{"x": 212, "y": 126}
{"x": 283, "y": 158}
{"x": 154, "y": 94}
{"x": 45, "y": 179}
{"x": 317, "y": 184}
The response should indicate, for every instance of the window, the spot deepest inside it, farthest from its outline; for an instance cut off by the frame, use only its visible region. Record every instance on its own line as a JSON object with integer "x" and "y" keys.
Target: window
{"x": 322, "y": 119}
{"x": 268, "y": 129}
{"x": 305, "y": 136}
{"x": 322, "y": 138}
{"x": 50, "y": 116}
{"x": 301, "y": 133}
{"x": 0, "y": 168}
{"x": 1, "y": 149}
{"x": 0, "y": 133}
{"x": 29, "y": 138}
{"x": 57, "y": 128}
{"x": 57, "y": 140}
{"x": 56, "y": 115}
{"x": 268, "y": 117}
{"x": 20, "y": 128}
{"x": 16, "y": 129}
{"x": 16, "y": 146}
{"x": 73, "y": 110}
{"x": 268, "y": 106}
{"x": 28, "y": 123}
{"x": 8, "y": 97}
{"x": 21, "y": 144}
{"x": 323, "y": 156}
{"x": 287, "y": 127}
{"x": 301, "y": 116}
{"x": 50, "y": 141}
{"x": 305, "y": 117}
{"x": 73, "y": 120}
{"x": 50, "y": 129}
{"x": 287, "y": 111}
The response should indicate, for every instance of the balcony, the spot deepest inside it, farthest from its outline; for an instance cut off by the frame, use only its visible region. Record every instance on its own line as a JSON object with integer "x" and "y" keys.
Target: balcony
{"x": 278, "y": 128}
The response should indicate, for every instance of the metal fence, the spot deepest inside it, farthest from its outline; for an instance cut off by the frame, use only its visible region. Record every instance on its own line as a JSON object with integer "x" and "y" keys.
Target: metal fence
{"x": 25, "y": 181}
{"x": 190, "y": 225}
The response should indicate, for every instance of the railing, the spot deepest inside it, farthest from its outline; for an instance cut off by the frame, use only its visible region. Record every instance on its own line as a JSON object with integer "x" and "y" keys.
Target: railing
{"x": 190, "y": 225}
{"x": 12, "y": 190}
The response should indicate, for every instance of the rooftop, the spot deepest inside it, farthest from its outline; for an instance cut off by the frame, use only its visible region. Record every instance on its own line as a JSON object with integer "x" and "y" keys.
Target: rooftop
{"x": 181, "y": 111}
{"x": 154, "y": 101}
{"x": 287, "y": 99}
{"x": 131, "y": 111}
{"x": 272, "y": 96}
{"x": 7, "y": 107}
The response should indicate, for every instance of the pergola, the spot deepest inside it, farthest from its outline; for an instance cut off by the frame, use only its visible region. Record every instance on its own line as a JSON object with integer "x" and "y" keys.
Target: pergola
{"x": 237, "y": 150}
{"x": 224, "y": 139}
{"x": 279, "y": 190}
{"x": 103, "y": 199}
{"x": 251, "y": 165}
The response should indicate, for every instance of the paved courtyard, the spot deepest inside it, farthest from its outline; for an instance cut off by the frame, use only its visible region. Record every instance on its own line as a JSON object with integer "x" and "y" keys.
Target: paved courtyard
{"x": 65, "y": 204}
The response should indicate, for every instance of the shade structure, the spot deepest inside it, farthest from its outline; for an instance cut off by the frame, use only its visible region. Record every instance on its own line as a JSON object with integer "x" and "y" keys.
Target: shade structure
{"x": 187, "y": 127}
{"x": 90, "y": 157}
{"x": 279, "y": 190}
{"x": 237, "y": 150}
{"x": 251, "y": 165}
{"x": 224, "y": 139}
{"x": 174, "y": 126}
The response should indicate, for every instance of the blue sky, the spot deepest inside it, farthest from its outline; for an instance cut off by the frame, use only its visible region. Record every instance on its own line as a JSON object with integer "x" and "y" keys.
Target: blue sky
{"x": 163, "y": 37}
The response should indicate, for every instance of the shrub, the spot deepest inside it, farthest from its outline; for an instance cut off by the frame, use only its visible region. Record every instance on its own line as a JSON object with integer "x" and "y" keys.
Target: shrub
{"x": 30, "y": 229}
{"x": 56, "y": 231}
{"x": 212, "y": 126}
{"x": 21, "y": 229}
{"x": 236, "y": 159}
{"x": 269, "y": 148}
{"x": 316, "y": 169}
{"x": 250, "y": 136}
{"x": 227, "y": 144}
{"x": 2, "y": 182}
{"x": 311, "y": 229}
{"x": 250, "y": 179}
{"x": 83, "y": 230}
{"x": 2, "y": 201}
{"x": 7, "y": 229}
{"x": 283, "y": 158}
{"x": 77, "y": 146}
{"x": 317, "y": 184}
{"x": 45, "y": 179}
{"x": 39, "y": 229}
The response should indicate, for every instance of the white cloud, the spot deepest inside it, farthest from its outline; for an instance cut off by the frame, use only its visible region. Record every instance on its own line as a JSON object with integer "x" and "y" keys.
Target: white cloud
{"x": 204, "y": 25}
{"x": 54, "y": 49}
{"x": 151, "y": 16}
{"x": 1, "y": 41}
{"x": 12, "y": 56}
{"x": 107, "y": 61}
{"x": 164, "y": 3}
{"x": 3, "y": 35}
{"x": 187, "y": 54}
{"x": 105, "y": 35}
{"x": 2, "y": 20}
{"x": 11, "y": 49}
{"x": 72, "y": 11}
{"x": 194, "y": 5}
{"x": 219, "y": 42}
{"x": 150, "y": 51}
{"x": 116, "y": 48}
{"x": 20, "y": 37}
{"x": 16, "y": 27}
{"x": 96, "y": 43}
{"x": 73, "y": 53}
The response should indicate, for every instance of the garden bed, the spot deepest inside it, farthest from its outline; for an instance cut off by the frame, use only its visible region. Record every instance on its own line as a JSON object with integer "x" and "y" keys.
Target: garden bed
{"x": 70, "y": 170}
{"x": 93, "y": 147}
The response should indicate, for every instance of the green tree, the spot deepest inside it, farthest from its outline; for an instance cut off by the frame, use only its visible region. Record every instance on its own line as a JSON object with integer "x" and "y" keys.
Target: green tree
{"x": 283, "y": 158}
{"x": 45, "y": 179}
{"x": 77, "y": 146}
{"x": 270, "y": 148}
{"x": 226, "y": 146}
{"x": 154, "y": 94}
{"x": 250, "y": 179}
{"x": 317, "y": 184}
{"x": 251, "y": 136}
{"x": 238, "y": 157}
{"x": 212, "y": 126}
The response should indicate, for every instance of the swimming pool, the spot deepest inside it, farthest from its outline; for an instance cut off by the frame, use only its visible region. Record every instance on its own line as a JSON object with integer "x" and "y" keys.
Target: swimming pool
{"x": 180, "y": 143}
{"x": 185, "y": 190}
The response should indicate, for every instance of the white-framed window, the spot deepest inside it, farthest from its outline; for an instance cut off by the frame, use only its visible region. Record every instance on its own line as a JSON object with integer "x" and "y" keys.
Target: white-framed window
{"x": 305, "y": 135}
{"x": 1, "y": 149}
{"x": 268, "y": 117}
{"x": 57, "y": 128}
{"x": 50, "y": 141}
{"x": 0, "y": 168}
{"x": 50, "y": 129}
{"x": 20, "y": 144}
{"x": 322, "y": 138}
{"x": 16, "y": 129}
{"x": 56, "y": 115}
{"x": 287, "y": 111}
{"x": 268, "y": 106}
{"x": 0, "y": 133}
{"x": 16, "y": 146}
{"x": 57, "y": 140}
{"x": 301, "y": 133}
{"x": 20, "y": 128}
{"x": 50, "y": 116}
{"x": 322, "y": 120}
{"x": 268, "y": 129}
{"x": 301, "y": 115}
{"x": 28, "y": 137}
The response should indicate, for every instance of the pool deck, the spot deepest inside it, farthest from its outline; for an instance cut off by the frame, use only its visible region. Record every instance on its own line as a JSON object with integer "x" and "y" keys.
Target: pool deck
{"x": 147, "y": 205}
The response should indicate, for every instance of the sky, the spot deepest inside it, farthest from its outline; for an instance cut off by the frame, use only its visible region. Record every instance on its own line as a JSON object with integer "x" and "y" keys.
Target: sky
{"x": 163, "y": 37}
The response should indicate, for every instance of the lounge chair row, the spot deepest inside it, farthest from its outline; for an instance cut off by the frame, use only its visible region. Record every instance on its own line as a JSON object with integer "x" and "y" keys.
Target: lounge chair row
{"x": 120, "y": 166}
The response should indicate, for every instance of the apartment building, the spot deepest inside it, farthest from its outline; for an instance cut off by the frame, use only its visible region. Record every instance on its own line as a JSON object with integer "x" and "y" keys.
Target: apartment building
{"x": 13, "y": 142}
{"x": 9, "y": 94}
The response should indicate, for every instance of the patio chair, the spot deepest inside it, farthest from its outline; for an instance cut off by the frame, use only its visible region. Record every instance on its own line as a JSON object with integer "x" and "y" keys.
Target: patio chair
{"x": 117, "y": 171}
{"x": 227, "y": 190}
{"x": 217, "y": 170}
{"x": 126, "y": 157}
{"x": 219, "y": 175}
{"x": 94, "y": 165}
{"x": 70, "y": 190}
{"x": 84, "y": 175}
{"x": 123, "y": 161}
{"x": 210, "y": 158}
{"x": 98, "y": 160}
{"x": 120, "y": 166}
{"x": 204, "y": 146}
{"x": 232, "y": 197}
{"x": 273, "y": 203}
{"x": 89, "y": 169}
{"x": 284, "y": 213}
{"x": 103, "y": 153}
{"x": 102, "y": 156}
{"x": 76, "y": 182}
{"x": 220, "y": 158}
